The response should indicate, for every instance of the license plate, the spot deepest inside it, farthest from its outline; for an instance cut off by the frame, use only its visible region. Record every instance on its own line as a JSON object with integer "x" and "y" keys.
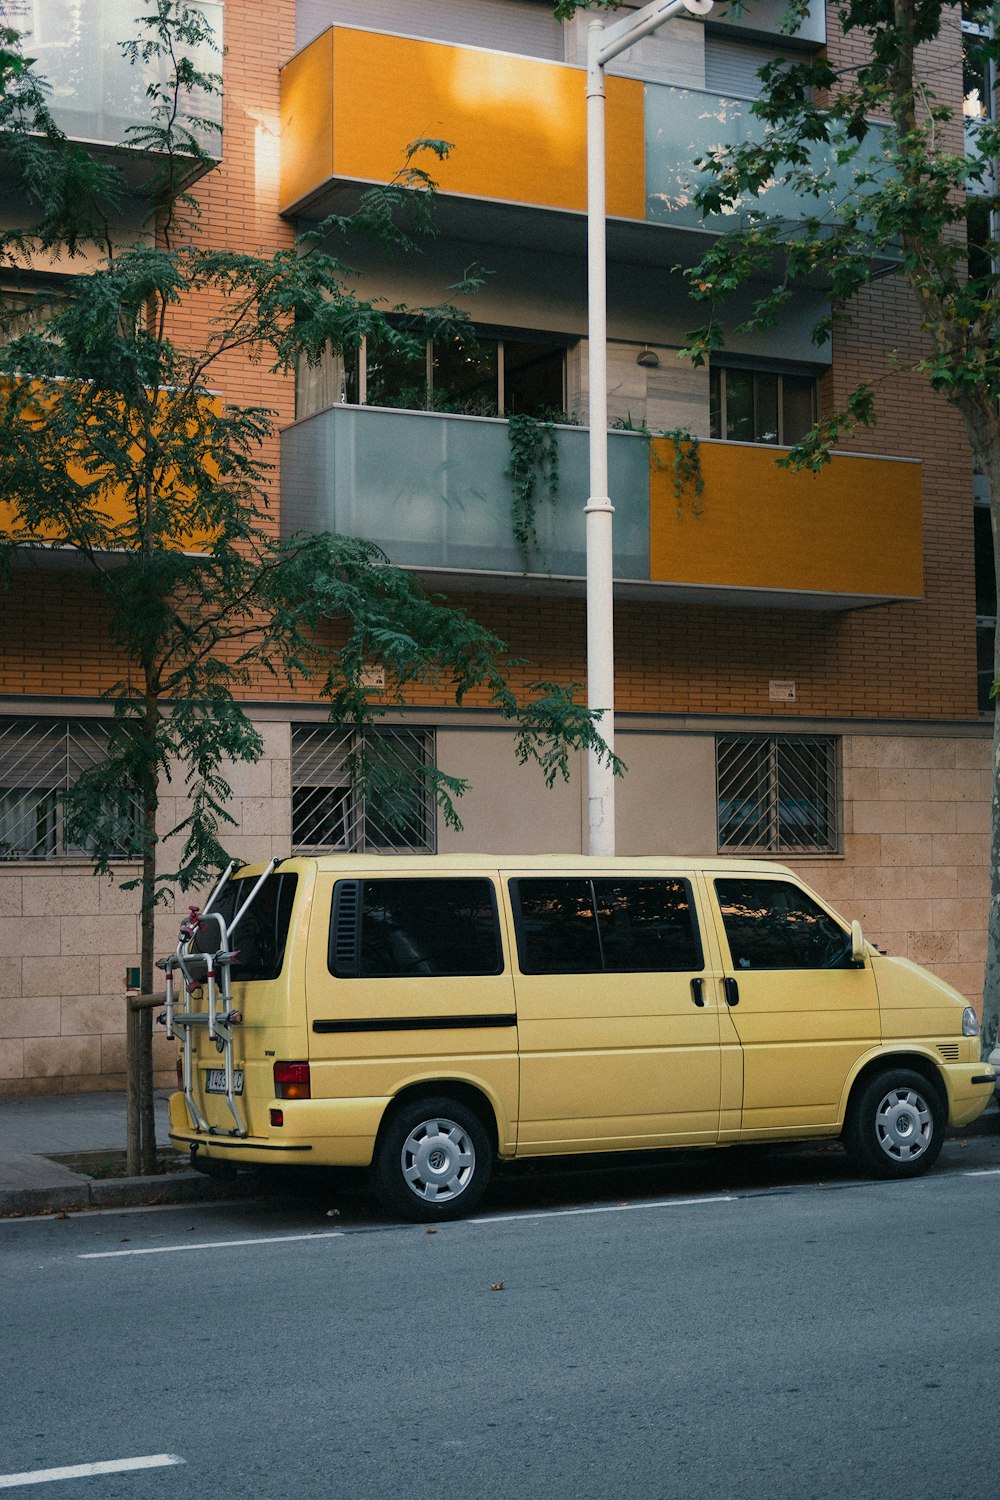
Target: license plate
{"x": 215, "y": 1082}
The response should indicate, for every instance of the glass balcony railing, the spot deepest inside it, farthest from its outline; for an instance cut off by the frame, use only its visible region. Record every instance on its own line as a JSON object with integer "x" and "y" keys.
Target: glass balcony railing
{"x": 96, "y": 94}
{"x": 434, "y": 491}
{"x": 685, "y": 125}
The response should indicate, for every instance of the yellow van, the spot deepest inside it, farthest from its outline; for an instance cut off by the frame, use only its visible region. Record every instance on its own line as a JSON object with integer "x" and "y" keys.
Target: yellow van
{"x": 425, "y": 1016}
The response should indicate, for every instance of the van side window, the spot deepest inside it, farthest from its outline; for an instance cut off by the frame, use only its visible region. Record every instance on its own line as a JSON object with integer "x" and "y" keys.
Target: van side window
{"x": 773, "y": 925}
{"x": 580, "y": 926}
{"x": 382, "y": 929}
{"x": 261, "y": 936}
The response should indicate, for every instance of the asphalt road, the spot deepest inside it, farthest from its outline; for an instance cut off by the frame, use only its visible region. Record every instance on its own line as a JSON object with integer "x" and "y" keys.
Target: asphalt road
{"x": 753, "y": 1325}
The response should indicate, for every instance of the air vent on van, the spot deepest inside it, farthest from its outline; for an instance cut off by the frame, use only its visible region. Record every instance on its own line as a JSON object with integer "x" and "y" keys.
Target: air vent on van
{"x": 948, "y": 1050}
{"x": 345, "y": 928}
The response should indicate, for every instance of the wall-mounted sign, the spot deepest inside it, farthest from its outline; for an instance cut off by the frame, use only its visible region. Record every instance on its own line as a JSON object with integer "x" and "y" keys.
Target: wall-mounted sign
{"x": 782, "y": 691}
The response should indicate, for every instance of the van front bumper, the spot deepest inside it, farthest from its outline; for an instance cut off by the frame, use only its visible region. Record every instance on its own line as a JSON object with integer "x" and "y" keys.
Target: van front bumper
{"x": 970, "y": 1088}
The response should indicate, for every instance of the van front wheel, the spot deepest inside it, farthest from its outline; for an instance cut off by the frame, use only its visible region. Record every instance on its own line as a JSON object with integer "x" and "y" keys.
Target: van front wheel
{"x": 895, "y": 1124}
{"x": 433, "y": 1161}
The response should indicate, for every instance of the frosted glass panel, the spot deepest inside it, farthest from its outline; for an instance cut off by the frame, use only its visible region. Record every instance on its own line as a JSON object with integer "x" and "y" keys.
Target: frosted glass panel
{"x": 433, "y": 491}
{"x": 683, "y": 125}
{"x": 96, "y": 94}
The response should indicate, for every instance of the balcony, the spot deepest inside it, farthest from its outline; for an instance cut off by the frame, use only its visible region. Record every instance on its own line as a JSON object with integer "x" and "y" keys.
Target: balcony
{"x": 533, "y": 192}
{"x": 433, "y": 492}
{"x": 100, "y": 493}
{"x": 96, "y": 94}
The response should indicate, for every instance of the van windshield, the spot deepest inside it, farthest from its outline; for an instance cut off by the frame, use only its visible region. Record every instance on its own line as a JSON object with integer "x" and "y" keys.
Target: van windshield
{"x": 261, "y": 935}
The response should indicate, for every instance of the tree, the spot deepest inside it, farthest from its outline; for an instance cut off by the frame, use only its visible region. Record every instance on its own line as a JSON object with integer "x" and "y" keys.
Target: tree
{"x": 112, "y": 444}
{"x": 908, "y": 188}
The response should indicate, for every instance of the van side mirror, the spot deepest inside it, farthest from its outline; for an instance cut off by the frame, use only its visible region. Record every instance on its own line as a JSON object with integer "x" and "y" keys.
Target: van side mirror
{"x": 858, "y": 945}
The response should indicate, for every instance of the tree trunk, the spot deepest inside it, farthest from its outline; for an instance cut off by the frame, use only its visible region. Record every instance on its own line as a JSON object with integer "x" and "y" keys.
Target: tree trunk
{"x": 983, "y": 426}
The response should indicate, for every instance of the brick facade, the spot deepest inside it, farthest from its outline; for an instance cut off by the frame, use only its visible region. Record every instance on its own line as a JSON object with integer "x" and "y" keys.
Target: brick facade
{"x": 916, "y": 802}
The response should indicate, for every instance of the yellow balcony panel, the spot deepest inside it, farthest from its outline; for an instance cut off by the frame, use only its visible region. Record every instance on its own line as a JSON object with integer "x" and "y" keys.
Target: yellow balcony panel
{"x": 353, "y": 100}
{"x": 845, "y": 537}
{"x": 109, "y": 501}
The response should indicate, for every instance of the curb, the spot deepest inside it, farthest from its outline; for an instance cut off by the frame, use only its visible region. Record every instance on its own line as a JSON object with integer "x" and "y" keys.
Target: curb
{"x": 87, "y": 1193}
{"x": 123, "y": 1192}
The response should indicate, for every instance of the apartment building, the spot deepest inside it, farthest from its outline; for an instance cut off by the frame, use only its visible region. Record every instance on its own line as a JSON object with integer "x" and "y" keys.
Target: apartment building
{"x": 796, "y": 654}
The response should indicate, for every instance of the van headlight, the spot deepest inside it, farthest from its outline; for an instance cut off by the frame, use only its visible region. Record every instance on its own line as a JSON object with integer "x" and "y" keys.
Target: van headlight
{"x": 970, "y": 1022}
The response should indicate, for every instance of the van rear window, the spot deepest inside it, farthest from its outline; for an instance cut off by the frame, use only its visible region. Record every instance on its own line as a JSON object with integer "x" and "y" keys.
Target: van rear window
{"x": 383, "y": 929}
{"x": 580, "y": 926}
{"x": 260, "y": 935}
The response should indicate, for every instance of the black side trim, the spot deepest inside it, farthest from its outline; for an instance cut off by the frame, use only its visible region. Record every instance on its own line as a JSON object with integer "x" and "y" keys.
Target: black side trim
{"x": 417, "y": 1023}
{"x": 242, "y": 1144}
{"x": 984, "y": 1078}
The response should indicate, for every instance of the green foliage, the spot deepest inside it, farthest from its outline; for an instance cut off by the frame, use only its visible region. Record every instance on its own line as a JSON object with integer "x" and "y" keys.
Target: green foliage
{"x": 112, "y": 444}
{"x": 686, "y": 468}
{"x": 685, "y": 463}
{"x": 534, "y": 460}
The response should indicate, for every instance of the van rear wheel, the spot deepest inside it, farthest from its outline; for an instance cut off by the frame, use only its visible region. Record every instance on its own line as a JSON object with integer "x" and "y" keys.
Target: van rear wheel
{"x": 433, "y": 1161}
{"x": 895, "y": 1124}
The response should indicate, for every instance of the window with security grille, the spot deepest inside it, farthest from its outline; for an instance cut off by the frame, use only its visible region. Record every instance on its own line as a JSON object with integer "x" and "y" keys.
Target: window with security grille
{"x": 777, "y": 794}
{"x": 40, "y": 759}
{"x": 362, "y": 791}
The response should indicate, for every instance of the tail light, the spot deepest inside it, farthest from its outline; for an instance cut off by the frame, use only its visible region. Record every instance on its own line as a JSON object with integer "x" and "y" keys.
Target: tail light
{"x": 291, "y": 1080}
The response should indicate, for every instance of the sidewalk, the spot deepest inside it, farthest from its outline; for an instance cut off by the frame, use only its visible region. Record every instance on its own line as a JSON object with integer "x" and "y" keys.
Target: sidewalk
{"x": 35, "y": 1128}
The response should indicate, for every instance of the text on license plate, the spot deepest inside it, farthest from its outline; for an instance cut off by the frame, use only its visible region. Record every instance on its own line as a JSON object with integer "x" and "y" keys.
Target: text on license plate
{"x": 215, "y": 1082}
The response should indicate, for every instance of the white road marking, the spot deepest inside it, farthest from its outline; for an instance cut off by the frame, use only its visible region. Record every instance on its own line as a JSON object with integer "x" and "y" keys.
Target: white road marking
{"x": 611, "y": 1208}
{"x": 275, "y": 1239}
{"x": 84, "y": 1471}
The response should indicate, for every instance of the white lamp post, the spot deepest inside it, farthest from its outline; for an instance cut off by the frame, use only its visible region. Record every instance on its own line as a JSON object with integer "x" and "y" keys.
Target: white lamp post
{"x": 603, "y": 44}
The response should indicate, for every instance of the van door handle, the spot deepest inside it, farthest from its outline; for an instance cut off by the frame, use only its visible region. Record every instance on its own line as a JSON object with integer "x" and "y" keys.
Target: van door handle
{"x": 698, "y": 991}
{"x": 732, "y": 990}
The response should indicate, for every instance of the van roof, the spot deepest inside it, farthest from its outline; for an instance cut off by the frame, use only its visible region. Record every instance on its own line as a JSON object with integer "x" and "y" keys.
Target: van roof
{"x": 427, "y": 864}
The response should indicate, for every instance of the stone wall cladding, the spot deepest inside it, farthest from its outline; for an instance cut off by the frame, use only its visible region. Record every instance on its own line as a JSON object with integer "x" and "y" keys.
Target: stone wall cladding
{"x": 914, "y": 872}
{"x": 67, "y": 937}
{"x": 916, "y": 845}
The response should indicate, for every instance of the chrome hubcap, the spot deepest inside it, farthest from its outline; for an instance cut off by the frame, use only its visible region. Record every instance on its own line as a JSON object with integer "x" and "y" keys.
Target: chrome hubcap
{"x": 438, "y": 1160}
{"x": 903, "y": 1125}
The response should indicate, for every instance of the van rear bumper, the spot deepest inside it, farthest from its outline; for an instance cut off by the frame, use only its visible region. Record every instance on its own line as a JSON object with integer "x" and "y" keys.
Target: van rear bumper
{"x": 322, "y": 1132}
{"x": 248, "y": 1149}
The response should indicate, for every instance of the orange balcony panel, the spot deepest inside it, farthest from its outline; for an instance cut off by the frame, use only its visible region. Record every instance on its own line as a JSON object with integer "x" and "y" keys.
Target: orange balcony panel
{"x": 852, "y": 531}
{"x": 112, "y": 501}
{"x": 352, "y": 101}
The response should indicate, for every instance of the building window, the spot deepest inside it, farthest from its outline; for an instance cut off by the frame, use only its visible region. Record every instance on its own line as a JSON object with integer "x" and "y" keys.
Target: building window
{"x": 759, "y": 406}
{"x": 986, "y": 603}
{"x": 485, "y": 376}
{"x": 777, "y": 794}
{"x": 362, "y": 791}
{"x": 979, "y": 82}
{"x": 40, "y": 759}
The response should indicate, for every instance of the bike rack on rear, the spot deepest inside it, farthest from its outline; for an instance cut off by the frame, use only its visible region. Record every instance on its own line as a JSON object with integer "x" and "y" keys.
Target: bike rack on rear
{"x": 207, "y": 976}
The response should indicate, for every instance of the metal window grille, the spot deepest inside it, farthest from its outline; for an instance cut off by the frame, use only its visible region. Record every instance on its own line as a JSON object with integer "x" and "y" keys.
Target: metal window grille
{"x": 777, "y": 794}
{"x": 40, "y": 759}
{"x": 362, "y": 791}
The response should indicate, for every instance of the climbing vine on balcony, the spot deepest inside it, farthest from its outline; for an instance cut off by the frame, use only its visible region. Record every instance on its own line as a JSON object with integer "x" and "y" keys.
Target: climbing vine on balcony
{"x": 684, "y": 464}
{"x": 534, "y": 461}
{"x": 686, "y": 468}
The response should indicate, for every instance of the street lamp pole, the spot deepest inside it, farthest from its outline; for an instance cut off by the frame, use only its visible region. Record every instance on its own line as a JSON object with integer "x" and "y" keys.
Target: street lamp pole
{"x": 603, "y": 44}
